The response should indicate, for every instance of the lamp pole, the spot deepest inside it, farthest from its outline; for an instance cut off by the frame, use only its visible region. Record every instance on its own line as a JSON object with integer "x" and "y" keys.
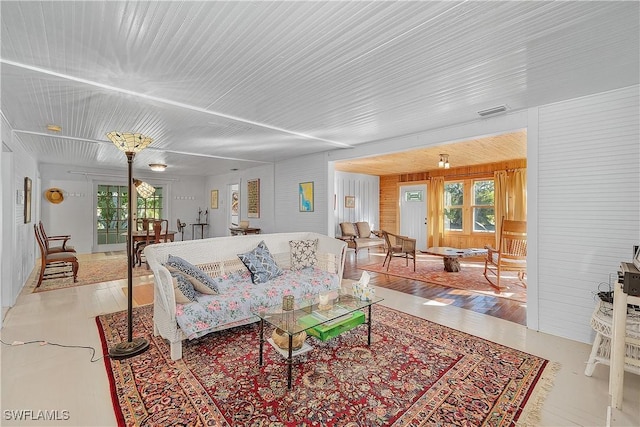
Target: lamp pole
{"x": 130, "y": 144}
{"x": 130, "y": 157}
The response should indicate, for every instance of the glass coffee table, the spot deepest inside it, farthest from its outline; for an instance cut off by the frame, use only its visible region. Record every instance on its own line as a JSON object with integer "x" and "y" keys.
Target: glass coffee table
{"x": 307, "y": 314}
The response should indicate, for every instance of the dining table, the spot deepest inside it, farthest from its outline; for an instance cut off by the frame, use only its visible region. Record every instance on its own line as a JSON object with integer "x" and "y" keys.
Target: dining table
{"x": 141, "y": 236}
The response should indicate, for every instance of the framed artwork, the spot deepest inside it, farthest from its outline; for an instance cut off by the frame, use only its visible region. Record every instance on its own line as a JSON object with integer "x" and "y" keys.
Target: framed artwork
{"x": 27, "y": 200}
{"x": 214, "y": 199}
{"x": 349, "y": 201}
{"x": 253, "y": 198}
{"x": 305, "y": 194}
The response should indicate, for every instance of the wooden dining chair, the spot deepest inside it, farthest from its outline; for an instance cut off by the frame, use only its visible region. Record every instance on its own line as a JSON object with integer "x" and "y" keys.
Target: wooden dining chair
{"x": 59, "y": 260}
{"x": 157, "y": 232}
{"x": 48, "y": 239}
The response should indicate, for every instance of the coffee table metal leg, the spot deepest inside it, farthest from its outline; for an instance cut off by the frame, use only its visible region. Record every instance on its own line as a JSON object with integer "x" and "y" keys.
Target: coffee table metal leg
{"x": 261, "y": 339}
{"x": 369, "y": 325}
{"x": 290, "y": 360}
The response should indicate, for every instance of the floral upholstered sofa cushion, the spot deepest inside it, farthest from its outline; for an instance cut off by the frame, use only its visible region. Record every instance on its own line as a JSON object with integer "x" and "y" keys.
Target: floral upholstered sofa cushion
{"x": 239, "y": 298}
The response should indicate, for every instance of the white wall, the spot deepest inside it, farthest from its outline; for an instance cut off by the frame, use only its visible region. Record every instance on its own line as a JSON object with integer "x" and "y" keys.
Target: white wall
{"x": 19, "y": 249}
{"x": 219, "y": 218}
{"x": 288, "y": 175}
{"x": 366, "y": 190}
{"x": 587, "y": 216}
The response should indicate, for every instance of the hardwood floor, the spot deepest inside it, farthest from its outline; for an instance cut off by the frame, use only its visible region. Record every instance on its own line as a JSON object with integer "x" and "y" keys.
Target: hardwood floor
{"x": 502, "y": 308}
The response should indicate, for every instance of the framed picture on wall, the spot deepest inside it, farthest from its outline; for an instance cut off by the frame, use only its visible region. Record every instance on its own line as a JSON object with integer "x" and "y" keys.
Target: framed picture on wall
{"x": 214, "y": 199}
{"x": 305, "y": 195}
{"x": 349, "y": 201}
{"x": 27, "y": 200}
{"x": 253, "y": 198}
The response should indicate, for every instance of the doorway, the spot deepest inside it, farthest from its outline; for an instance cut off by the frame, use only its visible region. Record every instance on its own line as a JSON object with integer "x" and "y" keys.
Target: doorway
{"x": 234, "y": 204}
{"x": 413, "y": 213}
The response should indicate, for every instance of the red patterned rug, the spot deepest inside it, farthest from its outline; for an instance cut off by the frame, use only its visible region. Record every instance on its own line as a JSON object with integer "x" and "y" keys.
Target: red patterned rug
{"x": 430, "y": 269}
{"x": 414, "y": 373}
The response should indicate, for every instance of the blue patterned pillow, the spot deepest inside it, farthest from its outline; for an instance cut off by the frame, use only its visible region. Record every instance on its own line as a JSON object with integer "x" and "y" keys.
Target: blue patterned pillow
{"x": 182, "y": 288}
{"x": 200, "y": 280}
{"x": 261, "y": 264}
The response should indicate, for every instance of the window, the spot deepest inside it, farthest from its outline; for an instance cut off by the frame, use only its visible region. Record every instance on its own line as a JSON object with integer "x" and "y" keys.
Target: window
{"x": 469, "y": 206}
{"x": 151, "y": 207}
{"x": 112, "y": 210}
{"x": 413, "y": 196}
{"x": 483, "y": 206}
{"x": 453, "y": 205}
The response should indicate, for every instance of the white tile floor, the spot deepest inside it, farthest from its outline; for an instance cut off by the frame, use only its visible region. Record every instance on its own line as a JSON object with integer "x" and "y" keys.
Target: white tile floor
{"x": 59, "y": 379}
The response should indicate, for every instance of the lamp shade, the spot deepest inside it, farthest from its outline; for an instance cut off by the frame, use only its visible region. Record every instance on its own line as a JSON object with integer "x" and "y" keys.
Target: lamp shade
{"x": 144, "y": 189}
{"x": 129, "y": 142}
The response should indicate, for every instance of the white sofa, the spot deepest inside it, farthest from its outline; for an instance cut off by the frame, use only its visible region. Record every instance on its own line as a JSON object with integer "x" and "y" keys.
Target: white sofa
{"x": 219, "y": 257}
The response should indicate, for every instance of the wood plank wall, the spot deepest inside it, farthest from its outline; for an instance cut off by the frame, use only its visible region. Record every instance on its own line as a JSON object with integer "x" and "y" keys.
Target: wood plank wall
{"x": 390, "y": 190}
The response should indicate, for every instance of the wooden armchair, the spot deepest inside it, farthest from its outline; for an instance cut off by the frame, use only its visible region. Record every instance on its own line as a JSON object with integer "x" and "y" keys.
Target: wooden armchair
{"x": 399, "y": 246}
{"x": 511, "y": 254}
{"x": 48, "y": 239}
{"x": 59, "y": 260}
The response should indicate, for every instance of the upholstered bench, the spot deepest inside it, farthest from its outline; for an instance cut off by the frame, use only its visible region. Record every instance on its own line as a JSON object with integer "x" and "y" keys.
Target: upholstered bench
{"x": 359, "y": 235}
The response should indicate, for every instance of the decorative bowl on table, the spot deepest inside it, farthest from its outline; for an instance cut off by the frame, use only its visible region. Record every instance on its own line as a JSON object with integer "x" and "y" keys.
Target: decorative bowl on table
{"x": 281, "y": 339}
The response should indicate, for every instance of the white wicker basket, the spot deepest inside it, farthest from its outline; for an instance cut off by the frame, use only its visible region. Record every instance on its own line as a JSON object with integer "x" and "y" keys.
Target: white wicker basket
{"x": 601, "y": 321}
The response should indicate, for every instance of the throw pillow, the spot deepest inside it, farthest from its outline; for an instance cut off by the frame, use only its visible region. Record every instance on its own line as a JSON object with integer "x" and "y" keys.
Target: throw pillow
{"x": 182, "y": 288}
{"x": 348, "y": 229}
{"x": 303, "y": 253}
{"x": 364, "y": 230}
{"x": 199, "y": 278}
{"x": 204, "y": 288}
{"x": 260, "y": 264}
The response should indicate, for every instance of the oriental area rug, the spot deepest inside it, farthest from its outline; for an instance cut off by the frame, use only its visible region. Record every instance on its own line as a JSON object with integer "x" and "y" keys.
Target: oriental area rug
{"x": 414, "y": 373}
{"x": 90, "y": 270}
{"x": 430, "y": 269}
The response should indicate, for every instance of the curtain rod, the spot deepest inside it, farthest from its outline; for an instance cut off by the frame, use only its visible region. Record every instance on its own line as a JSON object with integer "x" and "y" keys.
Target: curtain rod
{"x": 120, "y": 176}
{"x": 457, "y": 175}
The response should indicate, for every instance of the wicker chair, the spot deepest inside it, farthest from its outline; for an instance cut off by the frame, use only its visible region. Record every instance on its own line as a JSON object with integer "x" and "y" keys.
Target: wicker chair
{"x": 602, "y": 323}
{"x": 511, "y": 255}
{"x": 399, "y": 246}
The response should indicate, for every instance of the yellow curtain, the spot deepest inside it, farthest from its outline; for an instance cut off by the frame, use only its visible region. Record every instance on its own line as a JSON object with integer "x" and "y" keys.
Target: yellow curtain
{"x": 501, "y": 201}
{"x": 518, "y": 194}
{"x": 436, "y": 210}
